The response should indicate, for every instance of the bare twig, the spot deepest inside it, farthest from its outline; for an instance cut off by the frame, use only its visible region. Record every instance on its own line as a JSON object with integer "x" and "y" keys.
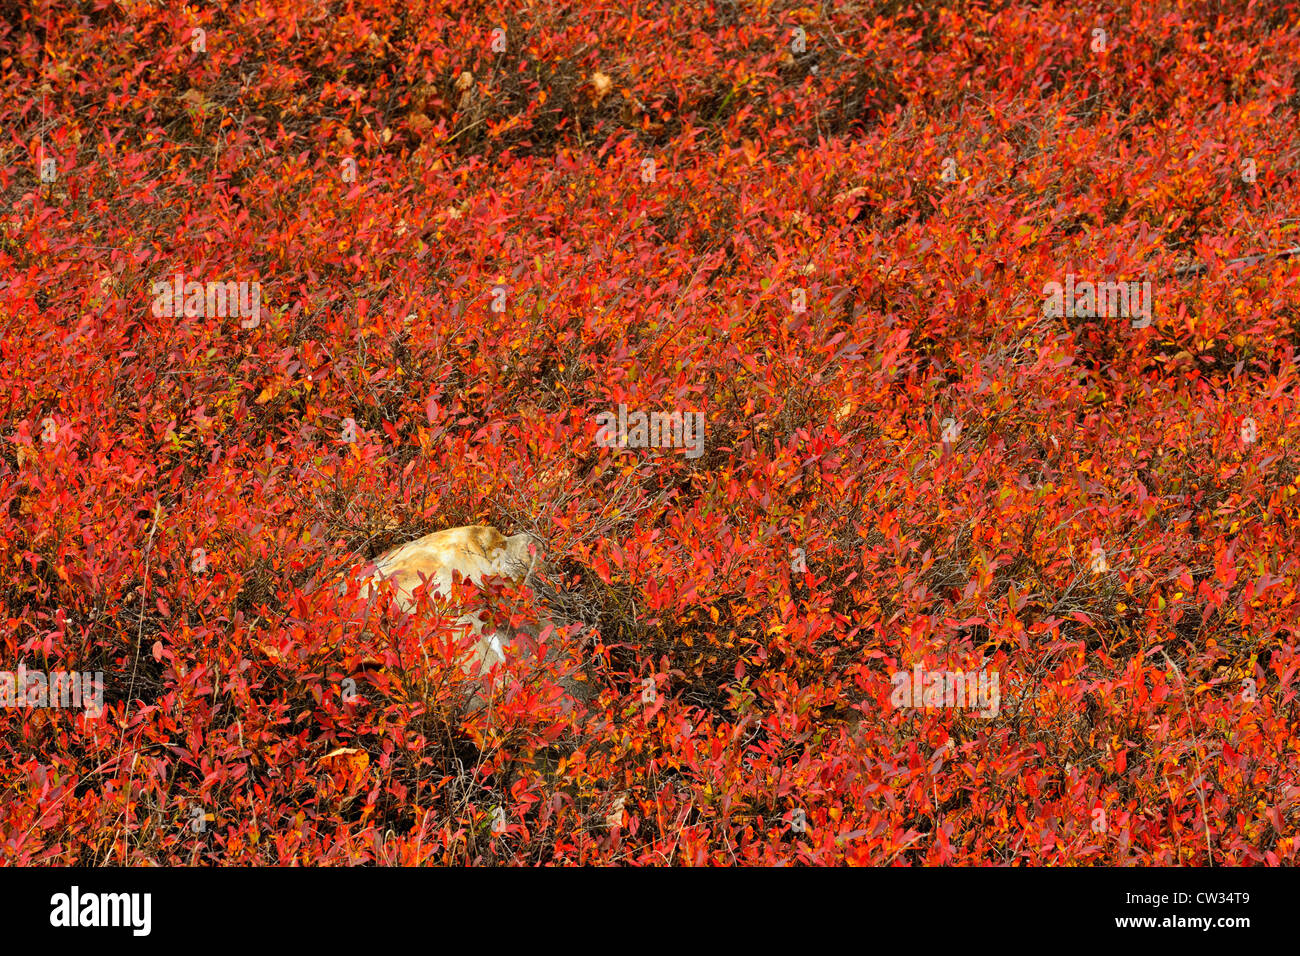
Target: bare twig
{"x": 1199, "y": 267}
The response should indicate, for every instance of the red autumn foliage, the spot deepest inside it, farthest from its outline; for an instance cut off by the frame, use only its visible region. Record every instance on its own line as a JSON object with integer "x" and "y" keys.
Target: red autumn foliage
{"x": 655, "y": 188}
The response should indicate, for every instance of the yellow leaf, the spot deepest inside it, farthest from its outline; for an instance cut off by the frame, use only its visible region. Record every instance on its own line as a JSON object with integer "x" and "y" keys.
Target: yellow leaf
{"x": 348, "y": 760}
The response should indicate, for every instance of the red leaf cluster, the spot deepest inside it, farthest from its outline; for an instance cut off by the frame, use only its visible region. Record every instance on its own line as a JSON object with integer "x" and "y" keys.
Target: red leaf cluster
{"x": 474, "y": 228}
